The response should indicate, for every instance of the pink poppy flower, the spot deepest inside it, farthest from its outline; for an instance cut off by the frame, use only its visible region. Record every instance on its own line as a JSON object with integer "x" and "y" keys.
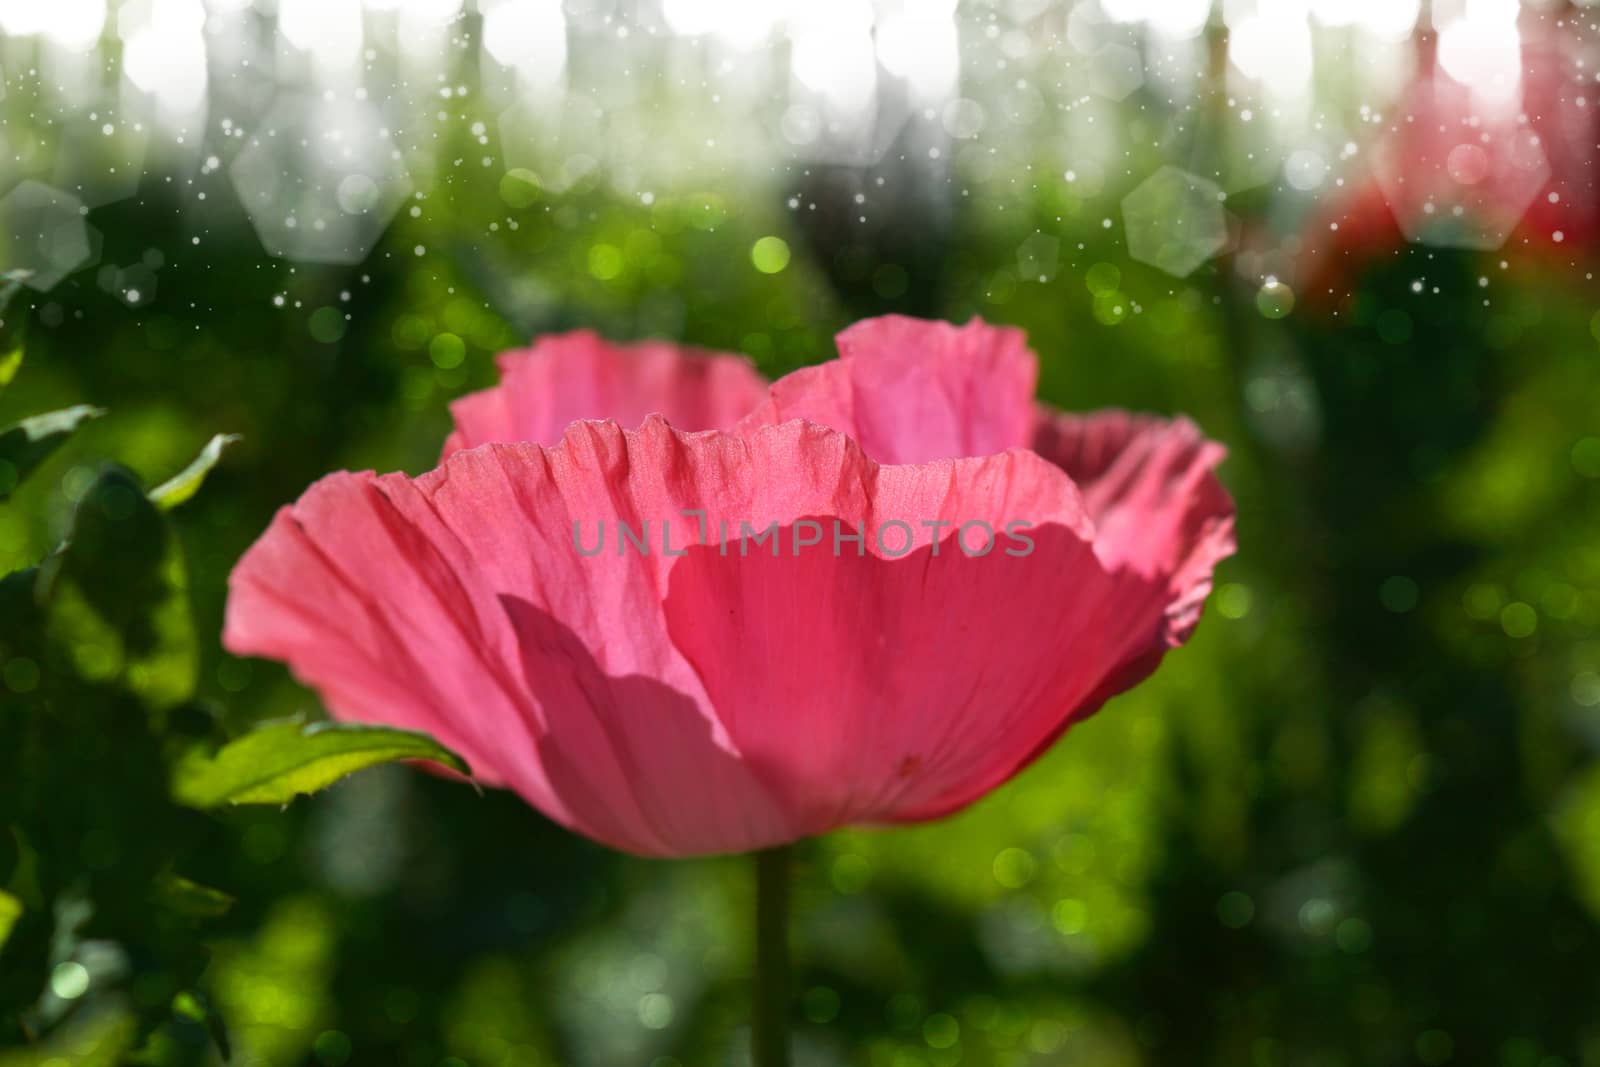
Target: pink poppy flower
{"x": 893, "y": 647}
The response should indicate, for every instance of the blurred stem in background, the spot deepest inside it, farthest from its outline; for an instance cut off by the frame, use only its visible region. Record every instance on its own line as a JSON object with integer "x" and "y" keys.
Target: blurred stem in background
{"x": 770, "y": 1023}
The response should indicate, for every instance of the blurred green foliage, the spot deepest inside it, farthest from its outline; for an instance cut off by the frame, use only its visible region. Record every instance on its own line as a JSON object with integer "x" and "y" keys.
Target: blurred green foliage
{"x": 1355, "y": 822}
{"x": 99, "y": 933}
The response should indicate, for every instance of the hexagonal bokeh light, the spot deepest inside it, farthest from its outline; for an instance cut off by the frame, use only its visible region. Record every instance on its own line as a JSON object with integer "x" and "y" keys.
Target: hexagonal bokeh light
{"x": 1038, "y": 257}
{"x": 1174, "y": 220}
{"x": 553, "y": 143}
{"x": 1115, "y": 72}
{"x": 100, "y": 158}
{"x": 43, "y": 231}
{"x": 1454, "y": 179}
{"x": 1235, "y": 149}
{"x": 321, "y": 179}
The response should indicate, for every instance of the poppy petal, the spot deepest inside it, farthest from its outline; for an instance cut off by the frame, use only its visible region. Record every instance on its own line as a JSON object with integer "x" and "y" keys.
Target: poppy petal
{"x": 580, "y": 375}
{"x": 911, "y": 390}
{"x": 1151, "y": 487}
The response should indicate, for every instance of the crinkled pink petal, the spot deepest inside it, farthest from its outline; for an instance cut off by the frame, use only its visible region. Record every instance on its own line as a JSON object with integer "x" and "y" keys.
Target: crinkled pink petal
{"x": 1150, "y": 485}
{"x": 1159, "y": 511}
{"x": 580, "y": 375}
{"x": 702, "y": 701}
{"x": 878, "y": 690}
{"x": 910, "y": 390}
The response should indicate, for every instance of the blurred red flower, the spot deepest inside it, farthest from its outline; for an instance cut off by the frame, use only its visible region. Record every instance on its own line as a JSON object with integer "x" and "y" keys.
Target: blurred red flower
{"x": 1455, "y": 169}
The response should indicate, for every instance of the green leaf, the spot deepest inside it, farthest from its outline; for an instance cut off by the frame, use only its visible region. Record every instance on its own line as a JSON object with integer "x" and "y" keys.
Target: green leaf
{"x": 10, "y": 912}
{"x": 116, "y": 596}
{"x": 191, "y": 899}
{"x": 94, "y": 1037}
{"x": 12, "y": 327}
{"x": 19, "y": 613}
{"x": 27, "y": 444}
{"x": 278, "y": 761}
{"x": 179, "y": 488}
{"x": 195, "y": 1006}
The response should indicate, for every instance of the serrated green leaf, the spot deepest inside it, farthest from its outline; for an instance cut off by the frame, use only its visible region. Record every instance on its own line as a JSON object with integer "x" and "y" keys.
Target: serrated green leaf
{"x": 179, "y": 488}
{"x": 278, "y": 761}
{"x": 27, "y": 444}
{"x": 12, "y": 326}
{"x": 178, "y": 894}
{"x": 116, "y": 597}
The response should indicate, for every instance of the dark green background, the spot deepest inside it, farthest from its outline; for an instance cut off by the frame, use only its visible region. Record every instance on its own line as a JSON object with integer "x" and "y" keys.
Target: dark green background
{"x": 1355, "y": 822}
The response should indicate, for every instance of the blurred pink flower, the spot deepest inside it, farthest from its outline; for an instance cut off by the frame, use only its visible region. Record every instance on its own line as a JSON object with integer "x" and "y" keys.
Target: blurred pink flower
{"x": 710, "y": 700}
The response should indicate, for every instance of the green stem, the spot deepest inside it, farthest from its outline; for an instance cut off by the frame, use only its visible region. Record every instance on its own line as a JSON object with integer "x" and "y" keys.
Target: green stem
{"x": 770, "y": 1017}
